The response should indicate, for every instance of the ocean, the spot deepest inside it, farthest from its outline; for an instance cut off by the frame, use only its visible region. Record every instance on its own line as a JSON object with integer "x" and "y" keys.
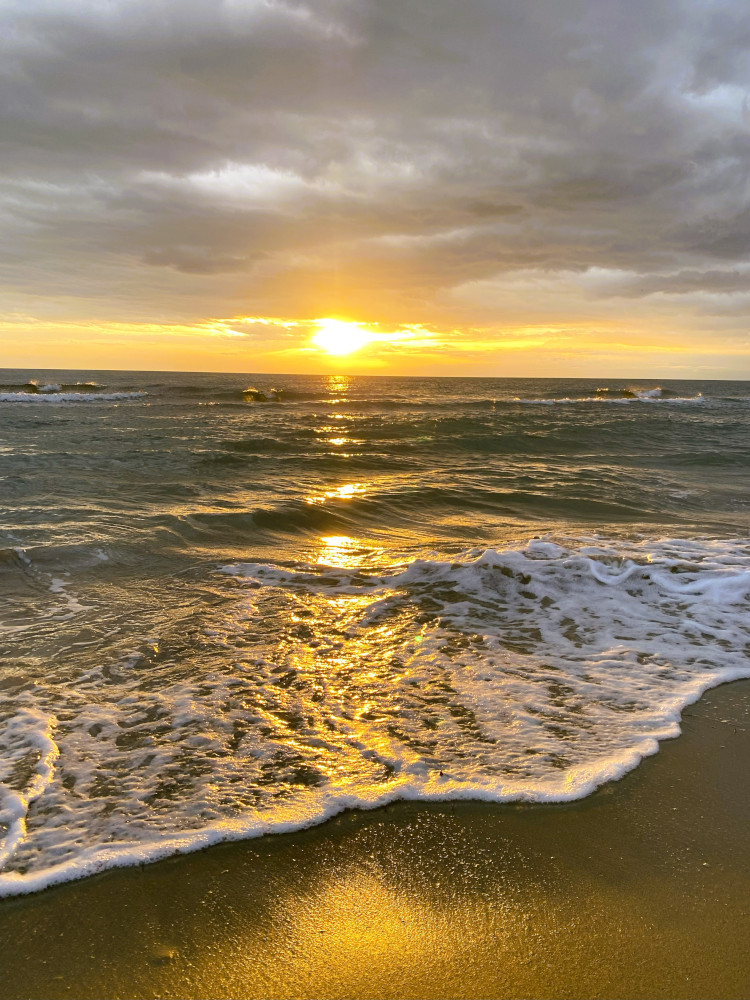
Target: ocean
{"x": 233, "y": 605}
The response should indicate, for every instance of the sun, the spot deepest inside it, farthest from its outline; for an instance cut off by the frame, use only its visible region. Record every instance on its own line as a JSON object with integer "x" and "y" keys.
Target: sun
{"x": 336, "y": 336}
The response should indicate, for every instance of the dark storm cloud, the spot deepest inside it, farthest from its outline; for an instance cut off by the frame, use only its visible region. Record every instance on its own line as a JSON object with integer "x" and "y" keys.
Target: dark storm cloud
{"x": 267, "y": 156}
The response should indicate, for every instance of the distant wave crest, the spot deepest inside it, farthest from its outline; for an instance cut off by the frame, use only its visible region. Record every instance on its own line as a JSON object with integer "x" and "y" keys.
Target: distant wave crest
{"x": 62, "y": 392}
{"x": 607, "y": 395}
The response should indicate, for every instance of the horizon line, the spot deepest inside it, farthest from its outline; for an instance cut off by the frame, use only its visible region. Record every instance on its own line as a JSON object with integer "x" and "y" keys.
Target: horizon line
{"x": 478, "y": 378}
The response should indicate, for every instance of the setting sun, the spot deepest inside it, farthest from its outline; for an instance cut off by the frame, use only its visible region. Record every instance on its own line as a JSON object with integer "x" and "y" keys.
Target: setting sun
{"x": 337, "y": 336}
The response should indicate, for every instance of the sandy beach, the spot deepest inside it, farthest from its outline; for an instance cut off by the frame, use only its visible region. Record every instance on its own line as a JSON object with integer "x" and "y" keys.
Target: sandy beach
{"x": 638, "y": 891}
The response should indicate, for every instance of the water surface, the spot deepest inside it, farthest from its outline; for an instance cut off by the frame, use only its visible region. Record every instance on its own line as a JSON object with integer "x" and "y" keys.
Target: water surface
{"x": 230, "y": 612}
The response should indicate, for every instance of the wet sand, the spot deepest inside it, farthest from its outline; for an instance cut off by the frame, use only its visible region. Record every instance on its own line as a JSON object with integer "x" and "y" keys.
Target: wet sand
{"x": 641, "y": 890}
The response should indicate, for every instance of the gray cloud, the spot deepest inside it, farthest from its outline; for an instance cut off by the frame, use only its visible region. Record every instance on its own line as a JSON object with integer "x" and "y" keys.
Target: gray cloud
{"x": 201, "y": 157}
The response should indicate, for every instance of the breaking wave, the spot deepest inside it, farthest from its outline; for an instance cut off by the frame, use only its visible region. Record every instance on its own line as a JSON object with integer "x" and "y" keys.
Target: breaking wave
{"x": 76, "y": 392}
{"x": 606, "y": 395}
{"x": 532, "y": 673}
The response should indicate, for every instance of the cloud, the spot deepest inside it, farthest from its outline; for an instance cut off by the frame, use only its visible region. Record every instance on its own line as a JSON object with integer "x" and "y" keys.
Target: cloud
{"x": 389, "y": 159}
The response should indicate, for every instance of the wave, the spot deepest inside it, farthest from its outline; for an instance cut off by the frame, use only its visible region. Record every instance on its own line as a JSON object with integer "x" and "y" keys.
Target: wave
{"x": 263, "y": 396}
{"x": 59, "y": 394}
{"x": 620, "y": 396}
{"x": 532, "y": 673}
{"x": 36, "y": 388}
{"x": 388, "y": 509}
{"x": 363, "y": 404}
{"x": 360, "y": 398}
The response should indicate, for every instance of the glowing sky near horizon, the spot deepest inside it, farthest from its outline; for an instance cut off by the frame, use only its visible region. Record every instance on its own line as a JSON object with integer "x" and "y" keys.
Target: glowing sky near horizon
{"x": 479, "y": 187}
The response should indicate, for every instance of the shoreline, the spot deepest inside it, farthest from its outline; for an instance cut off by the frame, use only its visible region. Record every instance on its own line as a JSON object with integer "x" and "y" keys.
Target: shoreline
{"x": 639, "y": 889}
{"x": 211, "y": 837}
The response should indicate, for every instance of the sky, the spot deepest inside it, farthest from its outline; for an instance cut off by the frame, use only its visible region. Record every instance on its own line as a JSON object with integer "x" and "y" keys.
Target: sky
{"x": 459, "y": 187}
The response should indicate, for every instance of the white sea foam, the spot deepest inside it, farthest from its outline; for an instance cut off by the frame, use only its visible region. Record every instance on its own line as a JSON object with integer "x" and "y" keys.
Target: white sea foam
{"x": 63, "y": 606}
{"x": 72, "y": 605}
{"x": 49, "y": 394}
{"x": 637, "y": 396}
{"x": 30, "y": 732}
{"x": 534, "y": 673}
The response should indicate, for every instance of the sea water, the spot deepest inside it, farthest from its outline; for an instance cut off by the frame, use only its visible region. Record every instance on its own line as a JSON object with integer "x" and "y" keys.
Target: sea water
{"x": 225, "y": 613}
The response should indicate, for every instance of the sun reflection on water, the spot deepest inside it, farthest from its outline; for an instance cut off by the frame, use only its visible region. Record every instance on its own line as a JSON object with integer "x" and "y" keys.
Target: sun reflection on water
{"x": 345, "y": 492}
{"x": 340, "y": 551}
{"x": 338, "y": 385}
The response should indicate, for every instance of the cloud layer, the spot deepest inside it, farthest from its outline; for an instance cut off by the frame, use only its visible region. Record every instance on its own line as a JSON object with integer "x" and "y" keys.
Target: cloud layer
{"x": 475, "y": 167}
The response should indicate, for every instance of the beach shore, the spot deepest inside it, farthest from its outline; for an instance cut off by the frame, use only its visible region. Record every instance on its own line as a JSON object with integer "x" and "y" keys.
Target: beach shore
{"x": 641, "y": 890}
